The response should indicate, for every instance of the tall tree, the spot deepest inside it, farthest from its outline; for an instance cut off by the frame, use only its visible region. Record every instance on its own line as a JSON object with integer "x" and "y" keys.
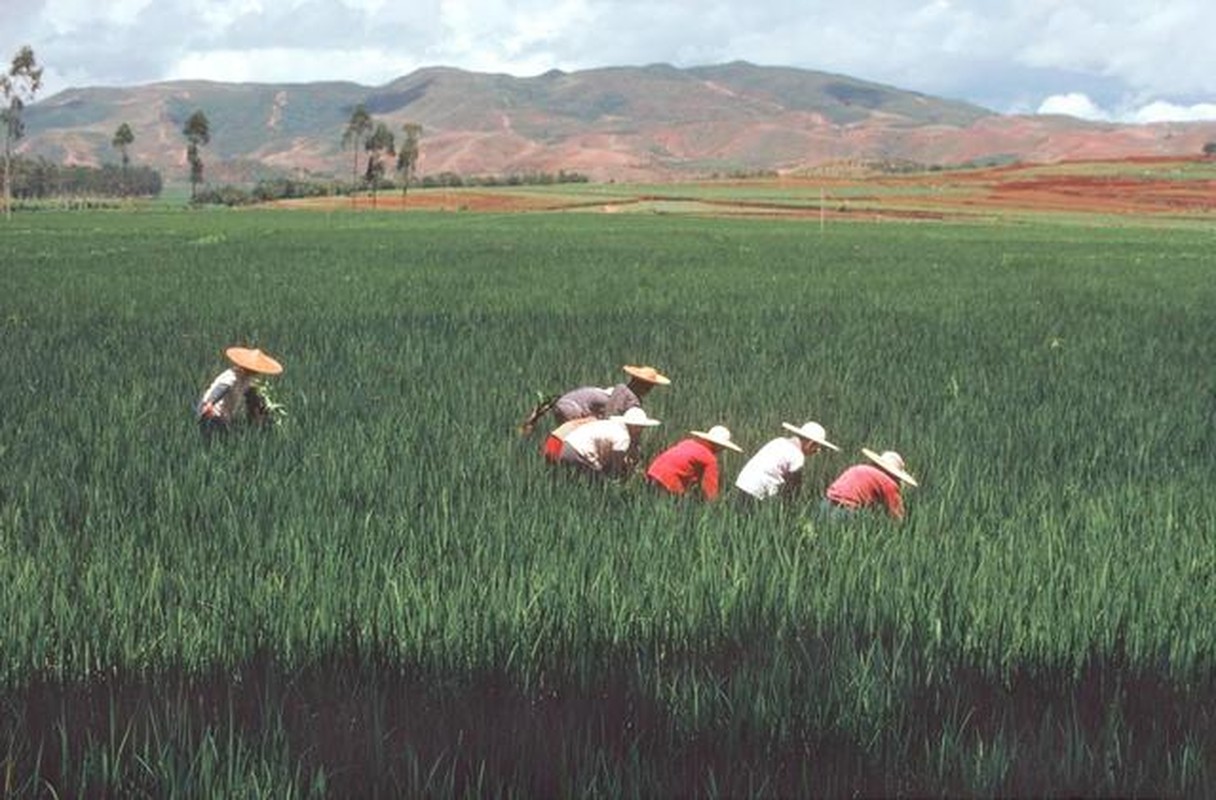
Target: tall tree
{"x": 18, "y": 87}
{"x": 407, "y": 156}
{"x": 357, "y": 128}
{"x": 123, "y": 139}
{"x": 380, "y": 141}
{"x": 198, "y": 134}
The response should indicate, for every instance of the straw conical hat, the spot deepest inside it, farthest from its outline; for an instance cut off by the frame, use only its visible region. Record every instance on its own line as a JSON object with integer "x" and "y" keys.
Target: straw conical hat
{"x": 253, "y": 360}
{"x": 637, "y": 417}
{"x": 892, "y": 462}
{"x": 648, "y": 374}
{"x": 719, "y": 435}
{"x": 813, "y": 431}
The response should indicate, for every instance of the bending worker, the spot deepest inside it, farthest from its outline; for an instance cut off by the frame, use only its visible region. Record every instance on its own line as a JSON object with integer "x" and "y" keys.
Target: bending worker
{"x": 776, "y": 468}
{"x": 692, "y": 461}
{"x": 594, "y": 401}
{"x": 607, "y": 447}
{"x": 236, "y": 388}
{"x": 869, "y": 485}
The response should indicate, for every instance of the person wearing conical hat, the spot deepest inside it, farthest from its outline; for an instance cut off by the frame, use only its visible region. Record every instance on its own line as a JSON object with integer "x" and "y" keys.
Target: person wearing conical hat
{"x": 870, "y": 485}
{"x": 691, "y": 462}
{"x": 608, "y": 447}
{"x": 776, "y": 468}
{"x": 599, "y": 402}
{"x": 237, "y": 388}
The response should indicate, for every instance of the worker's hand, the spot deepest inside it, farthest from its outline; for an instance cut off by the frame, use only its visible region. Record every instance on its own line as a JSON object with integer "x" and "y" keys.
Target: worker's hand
{"x": 209, "y": 411}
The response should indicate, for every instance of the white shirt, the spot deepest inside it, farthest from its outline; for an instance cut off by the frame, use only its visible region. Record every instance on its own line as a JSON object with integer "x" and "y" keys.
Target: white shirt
{"x": 226, "y": 393}
{"x": 767, "y": 471}
{"x": 598, "y": 445}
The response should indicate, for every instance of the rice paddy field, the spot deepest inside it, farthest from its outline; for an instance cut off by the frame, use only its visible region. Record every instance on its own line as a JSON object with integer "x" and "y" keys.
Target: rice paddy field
{"x": 391, "y": 594}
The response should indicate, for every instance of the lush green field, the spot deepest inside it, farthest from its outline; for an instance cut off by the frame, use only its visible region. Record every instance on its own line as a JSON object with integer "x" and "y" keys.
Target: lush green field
{"x": 391, "y": 594}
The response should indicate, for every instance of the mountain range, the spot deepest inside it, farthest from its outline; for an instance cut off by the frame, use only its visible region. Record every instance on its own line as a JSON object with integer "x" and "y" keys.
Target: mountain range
{"x": 647, "y": 123}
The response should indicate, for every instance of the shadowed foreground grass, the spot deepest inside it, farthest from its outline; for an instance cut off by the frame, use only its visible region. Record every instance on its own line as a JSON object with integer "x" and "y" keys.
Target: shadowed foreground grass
{"x": 357, "y": 725}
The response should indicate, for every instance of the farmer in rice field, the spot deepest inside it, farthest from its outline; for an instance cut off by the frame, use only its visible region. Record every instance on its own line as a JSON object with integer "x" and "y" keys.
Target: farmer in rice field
{"x": 692, "y": 462}
{"x": 607, "y": 447}
{"x": 552, "y": 448}
{"x": 776, "y": 468}
{"x": 236, "y": 388}
{"x": 870, "y": 485}
{"x": 598, "y": 402}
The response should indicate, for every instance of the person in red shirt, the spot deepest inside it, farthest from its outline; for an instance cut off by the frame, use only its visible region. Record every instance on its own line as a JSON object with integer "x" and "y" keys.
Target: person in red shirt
{"x": 690, "y": 462}
{"x": 868, "y": 485}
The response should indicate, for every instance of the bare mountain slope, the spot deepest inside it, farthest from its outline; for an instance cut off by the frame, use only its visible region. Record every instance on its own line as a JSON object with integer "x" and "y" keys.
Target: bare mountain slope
{"x": 622, "y": 123}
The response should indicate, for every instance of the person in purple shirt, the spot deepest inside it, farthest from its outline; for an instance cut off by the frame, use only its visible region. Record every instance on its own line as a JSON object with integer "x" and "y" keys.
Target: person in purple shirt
{"x": 598, "y": 402}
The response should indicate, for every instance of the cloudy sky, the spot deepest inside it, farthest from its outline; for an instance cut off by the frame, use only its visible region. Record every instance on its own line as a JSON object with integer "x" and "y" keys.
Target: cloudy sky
{"x": 1123, "y": 60}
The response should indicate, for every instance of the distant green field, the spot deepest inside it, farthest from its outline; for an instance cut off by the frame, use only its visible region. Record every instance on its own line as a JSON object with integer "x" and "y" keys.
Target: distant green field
{"x": 393, "y": 595}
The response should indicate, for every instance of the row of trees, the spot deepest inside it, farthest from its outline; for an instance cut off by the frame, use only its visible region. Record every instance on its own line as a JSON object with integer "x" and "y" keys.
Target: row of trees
{"x": 362, "y": 131}
{"x": 20, "y": 84}
{"x": 379, "y": 142}
{"x": 38, "y": 178}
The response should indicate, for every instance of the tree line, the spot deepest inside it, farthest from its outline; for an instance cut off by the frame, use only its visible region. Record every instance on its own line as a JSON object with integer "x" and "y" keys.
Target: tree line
{"x": 366, "y": 137}
{"x": 40, "y": 179}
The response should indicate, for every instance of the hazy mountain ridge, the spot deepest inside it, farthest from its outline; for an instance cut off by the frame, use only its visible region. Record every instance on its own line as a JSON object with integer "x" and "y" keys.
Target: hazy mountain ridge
{"x": 613, "y": 123}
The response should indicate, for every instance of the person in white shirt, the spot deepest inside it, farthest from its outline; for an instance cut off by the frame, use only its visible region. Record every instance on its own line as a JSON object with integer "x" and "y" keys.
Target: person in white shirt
{"x": 776, "y": 468}
{"x": 237, "y": 388}
{"x": 607, "y": 446}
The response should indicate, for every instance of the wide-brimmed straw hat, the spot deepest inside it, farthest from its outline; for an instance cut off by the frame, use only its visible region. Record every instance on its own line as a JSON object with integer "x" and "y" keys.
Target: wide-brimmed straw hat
{"x": 892, "y": 462}
{"x": 813, "y": 431}
{"x": 253, "y": 360}
{"x": 719, "y": 435}
{"x": 635, "y": 417}
{"x": 648, "y": 374}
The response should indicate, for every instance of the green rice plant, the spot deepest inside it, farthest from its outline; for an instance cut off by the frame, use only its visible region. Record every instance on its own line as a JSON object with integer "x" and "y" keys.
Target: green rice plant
{"x": 394, "y": 594}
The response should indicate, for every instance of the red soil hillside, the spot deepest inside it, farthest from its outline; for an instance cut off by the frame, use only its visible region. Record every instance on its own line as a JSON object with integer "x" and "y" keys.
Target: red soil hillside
{"x": 654, "y": 123}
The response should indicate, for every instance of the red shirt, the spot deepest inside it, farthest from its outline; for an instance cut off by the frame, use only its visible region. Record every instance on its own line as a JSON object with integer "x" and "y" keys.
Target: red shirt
{"x": 863, "y": 485}
{"x": 685, "y": 463}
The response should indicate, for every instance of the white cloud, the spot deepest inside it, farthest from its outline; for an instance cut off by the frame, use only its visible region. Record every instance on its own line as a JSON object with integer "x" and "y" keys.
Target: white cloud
{"x": 1073, "y": 104}
{"x": 67, "y": 16}
{"x": 1161, "y": 111}
{"x": 1080, "y": 105}
{"x": 369, "y": 66}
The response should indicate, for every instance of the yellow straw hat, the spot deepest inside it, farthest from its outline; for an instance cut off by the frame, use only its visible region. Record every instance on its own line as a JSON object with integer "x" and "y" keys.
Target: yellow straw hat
{"x": 253, "y": 360}
{"x": 648, "y": 374}
{"x": 719, "y": 435}
{"x": 891, "y": 462}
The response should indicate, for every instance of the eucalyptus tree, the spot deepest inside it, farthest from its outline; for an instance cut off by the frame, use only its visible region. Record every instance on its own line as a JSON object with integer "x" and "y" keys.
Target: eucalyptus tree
{"x": 407, "y": 156}
{"x": 357, "y": 129}
{"x": 198, "y": 134}
{"x": 122, "y": 141}
{"x": 380, "y": 141}
{"x": 18, "y": 86}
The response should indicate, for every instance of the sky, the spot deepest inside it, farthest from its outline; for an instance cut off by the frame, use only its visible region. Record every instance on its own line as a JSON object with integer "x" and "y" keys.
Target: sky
{"x": 1131, "y": 61}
